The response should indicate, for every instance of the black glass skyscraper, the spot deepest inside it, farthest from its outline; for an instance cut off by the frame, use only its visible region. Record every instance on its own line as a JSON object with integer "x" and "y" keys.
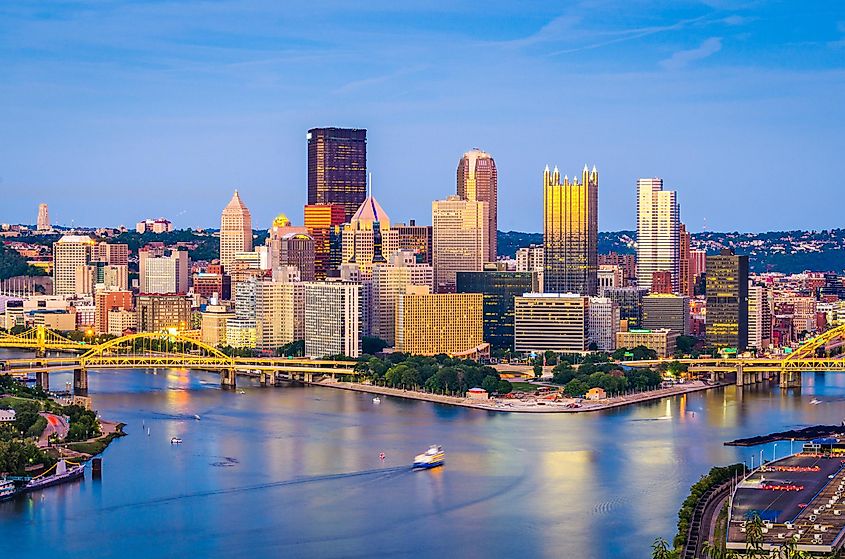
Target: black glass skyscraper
{"x": 337, "y": 167}
{"x": 499, "y": 289}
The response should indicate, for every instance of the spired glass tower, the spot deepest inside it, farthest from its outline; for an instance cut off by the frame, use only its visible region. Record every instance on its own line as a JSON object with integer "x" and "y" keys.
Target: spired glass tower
{"x": 478, "y": 182}
{"x": 337, "y": 167}
{"x": 570, "y": 232}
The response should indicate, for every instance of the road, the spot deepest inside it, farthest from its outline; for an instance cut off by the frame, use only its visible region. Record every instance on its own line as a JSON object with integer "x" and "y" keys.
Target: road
{"x": 56, "y": 424}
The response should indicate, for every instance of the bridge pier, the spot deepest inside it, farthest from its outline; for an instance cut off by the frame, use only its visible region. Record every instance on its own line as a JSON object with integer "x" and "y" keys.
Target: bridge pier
{"x": 80, "y": 382}
{"x": 40, "y": 352}
{"x": 265, "y": 377}
{"x": 227, "y": 379}
{"x": 790, "y": 379}
{"x": 42, "y": 380}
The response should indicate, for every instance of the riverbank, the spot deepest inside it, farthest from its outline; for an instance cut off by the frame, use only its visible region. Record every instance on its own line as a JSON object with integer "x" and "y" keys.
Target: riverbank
{"x": 528, "y": 405}
{"x": 805, "y": 434}
{"x": 87, "y": 449}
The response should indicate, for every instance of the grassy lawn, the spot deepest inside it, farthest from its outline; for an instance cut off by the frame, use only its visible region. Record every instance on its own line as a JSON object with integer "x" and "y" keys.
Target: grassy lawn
{"x": 524, "y": 387}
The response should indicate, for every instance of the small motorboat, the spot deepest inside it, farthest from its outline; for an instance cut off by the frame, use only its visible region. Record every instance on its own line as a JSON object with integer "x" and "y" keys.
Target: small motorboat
{"x": 815, "y": 402}
{"x": 431, "y": 458}
{"x": 175, "y": 440}
{"x": 377, "y": 400}
{"x": 196, "y": 417}
{"x": 241, "y": 392}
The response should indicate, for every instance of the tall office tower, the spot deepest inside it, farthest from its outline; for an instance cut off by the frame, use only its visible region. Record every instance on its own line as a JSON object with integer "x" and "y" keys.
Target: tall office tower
{"x": 368, "y": 238}
{"x": 240, "y": 330}
{"x": 337, "y": 167}
{"x": 43, "y": 223}
{"x": 416, "y": 238}
{"x": 323, "y": 222}
{"x": 603, "y": 316}
{"x": 459, "y": 239}
{"x": 727, "y": 300}
{"x": 759, "y": 317}
{"x": 160, "y": 312}
{"x": 570, "y": 232}
{"x": 434, "y": 323}
{"x": 686, "y": 281}
{"x": 70, "y": 253}
{"x": 275, "y": 314}
{"x": 333, "y": 321}
{"x": 168, "y": 273}
{"x": 498, "y": 289}
{"x": 478, "y": 181}
{"x": 666, "y": 310}
{"x": 658, "y": 222}
{"x": 550, "y": 321}
{"x": 235, "y": 230}
{"x": 390, "y": 281}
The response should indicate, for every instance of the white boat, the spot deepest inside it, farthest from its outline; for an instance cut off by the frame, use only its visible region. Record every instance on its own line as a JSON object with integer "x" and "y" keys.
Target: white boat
{"x": 7, "y": 489}
{"x": 431, "y": 458}
{"x": 196, "y": 417}
{"x": 815, "y": 402}
{"x": 377, "y": 400}
{"x": 241, "y": 392}
{"x": 175, "y": 440}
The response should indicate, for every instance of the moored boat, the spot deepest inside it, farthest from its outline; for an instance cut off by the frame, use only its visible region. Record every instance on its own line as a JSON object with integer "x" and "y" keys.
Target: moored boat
{"x": 7, "y": 489}
{"x": 175, "y": 440}
{"x": 431, "y": 458}
{"x": 65, "y": 471}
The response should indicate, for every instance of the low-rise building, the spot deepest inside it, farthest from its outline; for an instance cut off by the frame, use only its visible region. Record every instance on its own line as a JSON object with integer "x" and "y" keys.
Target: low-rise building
{"x": 661, "y": 341}
{"x": 435, "y": 323}
{"x": 550, "y": 321}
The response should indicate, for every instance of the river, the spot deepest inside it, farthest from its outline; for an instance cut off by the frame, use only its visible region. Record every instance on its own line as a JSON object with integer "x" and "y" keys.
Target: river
{"x": 295, "y": 472}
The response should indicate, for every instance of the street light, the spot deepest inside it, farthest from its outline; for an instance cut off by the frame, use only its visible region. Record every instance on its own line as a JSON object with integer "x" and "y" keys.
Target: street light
{"x": 761, "y": 457}
{"x": 774, "y": 452}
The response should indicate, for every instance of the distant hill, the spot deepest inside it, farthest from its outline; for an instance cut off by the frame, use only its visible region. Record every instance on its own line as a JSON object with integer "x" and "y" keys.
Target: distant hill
{"x": 778, "y": 251}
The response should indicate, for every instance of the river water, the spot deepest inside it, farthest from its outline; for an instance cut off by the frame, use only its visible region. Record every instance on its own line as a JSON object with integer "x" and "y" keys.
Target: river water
{"x": 295, "y": 472}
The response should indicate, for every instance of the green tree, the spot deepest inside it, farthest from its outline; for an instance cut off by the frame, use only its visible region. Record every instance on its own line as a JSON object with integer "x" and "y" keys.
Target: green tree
{"x": 371, "y": 345}
{"x": 490, "y": 384}
{"x": 538, "y": 371}
{"x": 504, "y": 387}
{"x": 660, "y": 550}
{"x": 562, "y": 373}
{"x": 576, "y": 387}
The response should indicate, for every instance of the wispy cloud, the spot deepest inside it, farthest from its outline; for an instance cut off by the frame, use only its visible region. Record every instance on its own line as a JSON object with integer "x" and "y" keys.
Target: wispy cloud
{"x": 376, "y": 80}
{"x": 682, "y": 58}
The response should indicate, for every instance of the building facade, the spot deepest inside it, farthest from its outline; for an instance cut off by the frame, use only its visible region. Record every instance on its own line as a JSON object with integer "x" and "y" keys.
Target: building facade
{"x": 368, "y": 239}
{"x": 333, "y": 319}
{"x": 323, "y": 222}
{"x": 235, "y": 230}
{"x": 499, "y": 289}
{"x": 70, "y": 253}
{"x": 435, "y": 323}
{"x": 477, "y": 180}
{"x": 603, "y": 323}
{"x": 168, "y": 273}
{"x": 389, "y": 284}
{"x": 570, "y": 232}
{"x": 658, "y": 226}
{"x": 160, "y": 312}
{"x": 663, "y": 342}
{"x": 759, "y": 317}
{"x": 663, "y": 310}
{"x": 459, "y": 239}
{"x": 727, "y": 300}
{"x": 337, "y": 167}
{"x": 630, "y": 301}
{"x": 551, "y": 321}
{"x": 416, "y": 238}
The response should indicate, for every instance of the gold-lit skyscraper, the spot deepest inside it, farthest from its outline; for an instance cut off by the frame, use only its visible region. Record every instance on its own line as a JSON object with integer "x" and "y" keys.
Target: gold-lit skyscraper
{"x": 570, "y": 232}
{"x": 235, "y": 230}
{"x": 478, "y": 181}
{"x": 459, "y": 239}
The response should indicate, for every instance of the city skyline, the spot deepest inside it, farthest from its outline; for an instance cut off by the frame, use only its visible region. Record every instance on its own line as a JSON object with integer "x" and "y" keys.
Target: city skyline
{"x": 689, "y": 92}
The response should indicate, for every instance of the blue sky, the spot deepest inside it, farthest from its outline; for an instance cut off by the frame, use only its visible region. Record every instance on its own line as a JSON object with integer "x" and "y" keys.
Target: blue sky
{"x": 115, "y": 111}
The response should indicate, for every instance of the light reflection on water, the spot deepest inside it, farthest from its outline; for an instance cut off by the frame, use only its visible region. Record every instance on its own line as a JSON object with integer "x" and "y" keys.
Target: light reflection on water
{"x": 295, "y": 472}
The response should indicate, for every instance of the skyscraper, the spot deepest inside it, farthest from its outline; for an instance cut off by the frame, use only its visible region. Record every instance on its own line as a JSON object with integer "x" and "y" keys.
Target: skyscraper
{"x": 478, "y": 181}
{"x": 337, "y": 167}
{"x": 71, "y": 255}
{"x": 323, "y": 223}
{"x": 43, "y": 218}
{"x": 727, "y": 300}
{"x": 570, "y": 232}
{"x": 459, "y": 239}
{"x": 686, "y": 280}
{"x": 499, "y": 290}
{"x": 235, "y": 230}
{"x": 658, "y": 224}
{"x": 368, "y": 238}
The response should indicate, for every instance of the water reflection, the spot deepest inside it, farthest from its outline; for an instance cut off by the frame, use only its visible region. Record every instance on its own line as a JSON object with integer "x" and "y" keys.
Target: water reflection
{"x": 296, "y": 471}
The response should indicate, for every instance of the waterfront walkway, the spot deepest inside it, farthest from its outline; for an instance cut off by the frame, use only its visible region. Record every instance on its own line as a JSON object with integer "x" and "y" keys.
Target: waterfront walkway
{"x": 528, "y": 405}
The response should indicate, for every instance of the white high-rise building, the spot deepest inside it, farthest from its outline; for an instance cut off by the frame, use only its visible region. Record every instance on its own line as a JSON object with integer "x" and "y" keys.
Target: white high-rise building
{"x": 530, "y": 259}
{"x": 389, "y": 284}
{"x": 43, "y": 223}
{"x": 658, "y": 222}
{"x": 333, "y": 323}
{"x": 459, "y": 239}
{"x": 163, "y": 274}
{"x": 279, "y": 309}
{"x": 235, "y": 230}
{"x": 759, "y": 317}
{"x": 604, "y": 317}
{"x": 71, "y": 255}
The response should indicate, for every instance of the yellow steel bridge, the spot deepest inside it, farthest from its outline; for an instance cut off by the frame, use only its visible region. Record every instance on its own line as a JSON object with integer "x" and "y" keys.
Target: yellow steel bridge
{"x": 154, "y": 350}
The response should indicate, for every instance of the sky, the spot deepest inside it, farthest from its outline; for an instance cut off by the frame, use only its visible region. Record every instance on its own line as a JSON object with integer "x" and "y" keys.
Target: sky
{"x": 112, "y": 112}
